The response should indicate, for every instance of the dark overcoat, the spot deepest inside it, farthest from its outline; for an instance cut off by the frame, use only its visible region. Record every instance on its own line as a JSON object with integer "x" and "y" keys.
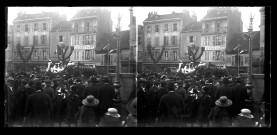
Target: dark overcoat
{"x": 171, "y": 109}
{"x": 220, "y": 117}
{"x": 106, "y": 96}
{"x": 39, "y": 107}
{"x": 239, "y": 94}
{"x": 142, "y": 106}
{"x": 241, "y": 121}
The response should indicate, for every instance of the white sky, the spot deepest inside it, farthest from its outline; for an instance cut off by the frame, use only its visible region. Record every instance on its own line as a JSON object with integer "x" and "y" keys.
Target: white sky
{"x": 141, "y": 13}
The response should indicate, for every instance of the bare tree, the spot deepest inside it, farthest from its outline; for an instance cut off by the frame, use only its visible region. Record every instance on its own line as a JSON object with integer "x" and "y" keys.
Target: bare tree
{"x": 61, "y": 51}
{"x": 24, "y": 59}
{"x": 157, "y": 59}
{"x": 192, "y": 52}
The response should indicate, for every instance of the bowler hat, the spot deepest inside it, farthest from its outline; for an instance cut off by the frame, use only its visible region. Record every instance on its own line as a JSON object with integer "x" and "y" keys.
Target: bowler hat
{"x": 93, "y": 79}
{"x": 74, "y": 88}
{"x": 223, "y": 101}
{"x": 10, "y": 79}
{"x": 238, "y": 80}
{"x": 142, "y": 80}
{"x": 225, "y": 80}
{"x": 170, "y": 86}
{"x": 38, "y": 85}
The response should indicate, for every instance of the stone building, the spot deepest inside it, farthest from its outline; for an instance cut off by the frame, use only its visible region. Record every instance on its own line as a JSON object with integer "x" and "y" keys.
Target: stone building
{"x": 88, "y": 26}
{"x": 34, "y": 29}
{"x": 9, "y": 49}
{"x": 164, "y": 30}
{"x": 235, "y": 63}
{"x": 191, "y": 35}
{"x": 218, "y": 27}
{"x": 140, "y": 48}
{"x": 60, "y": 34}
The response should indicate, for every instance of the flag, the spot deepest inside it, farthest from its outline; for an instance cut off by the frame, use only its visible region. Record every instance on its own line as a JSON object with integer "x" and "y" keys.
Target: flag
{"x": 111, "y": 51}
{"x": 236, "y": 47}
{"x": 108, "y": 45}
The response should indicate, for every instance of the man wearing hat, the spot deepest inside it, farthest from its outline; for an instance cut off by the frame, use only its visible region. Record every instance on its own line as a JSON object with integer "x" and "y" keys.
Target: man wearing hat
{"x": 49, "y": 90}
{"x": 39, "y": 107}
{"x": 142, "y": 95}
{"x": 20, "y": 101}
{"x": 152, "y": 103}
{"x": 81, "y": 89}
{"x": 180, "y": 90}
{"x": 224, "y": 90}
{"x": 72, "y": 106}
{"x": 219, "y": 115}
{"x": 244, "y": 119}
{"x": 171, "y": 108}
{"x": 10, "y": 101}
{"x": 212, "y": 90}
{"x": 93, "y": 89}
{"x": 239, "y": 94}
{"x": 106, "y": 96}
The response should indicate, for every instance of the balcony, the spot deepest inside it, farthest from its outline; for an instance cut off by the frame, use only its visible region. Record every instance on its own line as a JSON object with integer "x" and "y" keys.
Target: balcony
{"x": 84, "y": 30}
{"x": 218, "y": 30}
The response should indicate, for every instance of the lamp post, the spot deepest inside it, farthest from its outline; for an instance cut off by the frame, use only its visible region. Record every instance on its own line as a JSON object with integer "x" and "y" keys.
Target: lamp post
{"x": 249, "y": 85}
{"x": 238, "y": 59}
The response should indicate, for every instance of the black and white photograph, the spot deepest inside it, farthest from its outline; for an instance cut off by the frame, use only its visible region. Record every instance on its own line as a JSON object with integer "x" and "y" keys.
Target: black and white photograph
{"x": 137, "y": 66}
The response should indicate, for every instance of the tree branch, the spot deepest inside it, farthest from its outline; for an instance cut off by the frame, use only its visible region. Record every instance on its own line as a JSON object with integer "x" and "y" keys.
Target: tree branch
{"x": 150, "y": 53}
{"x": 71, "y": 51}
{"x": 201, "y": 53}
{"x": 30, "y": 54}
{"x": 18, "y": 47}
{"x": 161, "y": 54}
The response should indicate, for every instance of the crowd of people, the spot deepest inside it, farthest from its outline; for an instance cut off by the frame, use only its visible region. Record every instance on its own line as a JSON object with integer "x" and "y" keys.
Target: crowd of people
{"x": 173, "y": 101}
{"x": 35, "y": 101}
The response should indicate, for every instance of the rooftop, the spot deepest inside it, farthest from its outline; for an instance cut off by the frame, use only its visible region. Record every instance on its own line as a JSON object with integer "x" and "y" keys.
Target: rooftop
{"x": 155, "y": 16}
{"x": 87, "y": 12}
{"x": 242, "y": 39}
{"x": 22, "y": 16}
{"x": 63, "y": 26}
{"x": 193, "y": 27}
{"x": 218, "y": 12}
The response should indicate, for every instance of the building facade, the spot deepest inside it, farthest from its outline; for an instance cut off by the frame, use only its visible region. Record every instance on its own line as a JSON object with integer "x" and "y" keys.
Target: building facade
{"x": 59, "y": 35}
{"x": 88, "y": 26}
{"x": 237, "y": 57}
{"x": 9, "y": 49}
{"x": 34, "y": 29}
{"x": 262, "y": 43}
{"x": 218, "y": 27}
{"x": 164, "y": 30}
{"x": 191, "y": 35}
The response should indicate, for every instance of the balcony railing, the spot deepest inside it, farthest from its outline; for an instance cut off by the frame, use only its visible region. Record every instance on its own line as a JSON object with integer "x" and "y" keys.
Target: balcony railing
{"x": 215, "y": 30}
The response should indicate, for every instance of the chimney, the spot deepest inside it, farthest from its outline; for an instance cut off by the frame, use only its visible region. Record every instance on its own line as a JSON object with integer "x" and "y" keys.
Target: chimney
{"x": 150, "y": 14}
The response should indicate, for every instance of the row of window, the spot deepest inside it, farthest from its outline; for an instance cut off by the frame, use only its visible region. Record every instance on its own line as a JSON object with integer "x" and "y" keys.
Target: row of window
{"x": 87, "y": 26}
{"x": 26, "y": 27}
{"x": 214, "y": 55}
{"x": 174, "y": 40}
{"x": 37, "y": 54}
{"x": 217, "y": 40}
{"x": 236, "y": 61}
{"x": 165, "y": 55}
{"x": 26, "y": 39}
{"x": 82, "y": 40}
{"x": 79, "y": 55}
{"x": 166, "y": 27}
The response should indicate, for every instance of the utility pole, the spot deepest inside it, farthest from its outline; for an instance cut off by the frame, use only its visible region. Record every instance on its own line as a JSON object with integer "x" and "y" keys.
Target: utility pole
{"x": 238, "y": 59}
{"x": 249, "y": 84}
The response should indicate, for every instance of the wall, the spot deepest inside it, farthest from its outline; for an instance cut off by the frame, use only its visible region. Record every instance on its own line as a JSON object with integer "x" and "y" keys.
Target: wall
{"x": 185, "y": 43}
{"x": 54, "y": 41}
